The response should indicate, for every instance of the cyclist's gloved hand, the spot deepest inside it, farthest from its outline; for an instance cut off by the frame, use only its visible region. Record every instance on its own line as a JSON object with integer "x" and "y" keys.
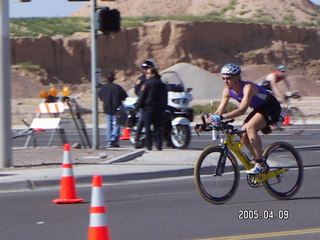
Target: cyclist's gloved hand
{"x": 216, "y": 118}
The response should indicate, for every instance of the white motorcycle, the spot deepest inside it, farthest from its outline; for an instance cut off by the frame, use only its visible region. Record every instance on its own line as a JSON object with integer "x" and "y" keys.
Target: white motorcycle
{"x": 178, "y": 114}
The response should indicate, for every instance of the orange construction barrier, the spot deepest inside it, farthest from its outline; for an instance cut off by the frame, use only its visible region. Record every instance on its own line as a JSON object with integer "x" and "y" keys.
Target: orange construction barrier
{"x": 98, "y": 228}
{"x": 67, "y": 189}
{"x": 125, "y": 134}
{"x": 286, "y": 121}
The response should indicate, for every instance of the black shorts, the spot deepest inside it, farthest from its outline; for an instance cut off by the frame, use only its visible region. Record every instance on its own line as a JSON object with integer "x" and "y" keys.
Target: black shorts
{"x": 270, "y": 110}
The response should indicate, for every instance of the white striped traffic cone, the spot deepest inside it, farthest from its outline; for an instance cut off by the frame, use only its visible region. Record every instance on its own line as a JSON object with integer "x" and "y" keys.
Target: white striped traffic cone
{"x": 98, "y": 227}
{"x": 67, "y": 185}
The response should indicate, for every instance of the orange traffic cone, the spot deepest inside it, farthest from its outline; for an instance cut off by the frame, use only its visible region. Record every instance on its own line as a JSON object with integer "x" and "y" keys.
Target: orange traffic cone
{"x": 67, "y": 189}
{"x": 98, "y": 229}
{"x": 125, "y": 134}
{"x": 286, "y": 121}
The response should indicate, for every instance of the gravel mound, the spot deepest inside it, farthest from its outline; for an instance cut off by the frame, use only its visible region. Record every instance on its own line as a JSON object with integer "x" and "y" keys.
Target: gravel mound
{"x": 205, "y": 85}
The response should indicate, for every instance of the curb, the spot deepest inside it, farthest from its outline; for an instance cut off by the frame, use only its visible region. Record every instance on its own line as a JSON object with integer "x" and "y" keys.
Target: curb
{"x": 125, "y": 157}
{"x": 84, "y": 180}
{"x": 23, "y": 184}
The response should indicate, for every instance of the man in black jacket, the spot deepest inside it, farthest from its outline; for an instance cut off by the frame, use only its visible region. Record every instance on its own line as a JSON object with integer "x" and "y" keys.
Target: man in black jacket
{"x": 112, "y": 95}
{"x": 139, "y": 83}
{"x": 153, "y": 101}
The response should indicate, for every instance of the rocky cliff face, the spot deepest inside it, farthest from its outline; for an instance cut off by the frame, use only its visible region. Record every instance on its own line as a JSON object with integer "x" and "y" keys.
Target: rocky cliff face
{"x": 208, "y": 45}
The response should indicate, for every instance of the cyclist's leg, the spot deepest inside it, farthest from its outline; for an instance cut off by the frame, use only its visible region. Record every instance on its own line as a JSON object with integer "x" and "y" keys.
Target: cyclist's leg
{"x": 253, "y": 123}
{"x": 256, "y": 123}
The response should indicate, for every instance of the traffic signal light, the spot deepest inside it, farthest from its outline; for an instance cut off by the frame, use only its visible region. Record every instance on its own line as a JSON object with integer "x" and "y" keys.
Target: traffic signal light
{"x": 109, "y": 20}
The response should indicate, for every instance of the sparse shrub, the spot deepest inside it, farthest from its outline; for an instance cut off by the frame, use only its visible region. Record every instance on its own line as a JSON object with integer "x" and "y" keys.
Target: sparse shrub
{"x": 29, "y": 66}
{"x": 289, "y": 18}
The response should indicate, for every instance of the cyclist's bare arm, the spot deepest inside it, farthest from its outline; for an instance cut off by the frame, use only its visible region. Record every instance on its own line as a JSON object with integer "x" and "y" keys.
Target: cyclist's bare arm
{"x": 224, "y": 101}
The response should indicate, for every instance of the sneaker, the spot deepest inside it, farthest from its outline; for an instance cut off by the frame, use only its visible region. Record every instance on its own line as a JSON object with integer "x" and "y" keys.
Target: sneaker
{"x": 109, "y": 145}
{"x": 258, "y": 169}
{"x": 115, "y": 145}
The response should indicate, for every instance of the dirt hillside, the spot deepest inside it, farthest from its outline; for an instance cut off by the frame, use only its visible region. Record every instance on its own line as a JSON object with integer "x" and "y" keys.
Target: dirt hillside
{"x": 272, "y": 10}
{"x": 208, "y": 45}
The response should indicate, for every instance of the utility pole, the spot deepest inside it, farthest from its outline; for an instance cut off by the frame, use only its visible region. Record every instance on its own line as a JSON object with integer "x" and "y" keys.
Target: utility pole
{"x": 5, "y": 88}
{"x": 95, "y": 114}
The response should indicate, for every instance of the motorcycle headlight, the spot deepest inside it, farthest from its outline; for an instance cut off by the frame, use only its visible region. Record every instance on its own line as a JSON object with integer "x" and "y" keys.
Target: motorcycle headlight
{"x": 180, "y": 101}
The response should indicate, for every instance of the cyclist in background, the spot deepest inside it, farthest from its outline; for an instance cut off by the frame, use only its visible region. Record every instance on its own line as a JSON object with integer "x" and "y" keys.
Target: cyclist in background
{"x": 272, "y": 79}
{"x": 266, "y": 111}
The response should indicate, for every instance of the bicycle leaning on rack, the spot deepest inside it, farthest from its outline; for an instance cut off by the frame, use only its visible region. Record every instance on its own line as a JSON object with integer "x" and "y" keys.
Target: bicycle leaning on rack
{"x": 217, "y": 172}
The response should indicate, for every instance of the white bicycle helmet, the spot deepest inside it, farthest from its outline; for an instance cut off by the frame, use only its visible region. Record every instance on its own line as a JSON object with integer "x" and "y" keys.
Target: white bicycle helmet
{"x": 149, "y": 64}
{"x": 281, "y": 68}
{"x": 230, "y": 69}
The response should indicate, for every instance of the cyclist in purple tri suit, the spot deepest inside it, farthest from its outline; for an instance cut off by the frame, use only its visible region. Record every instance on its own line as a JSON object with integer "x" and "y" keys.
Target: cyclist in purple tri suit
{"x": 266, "y": 111}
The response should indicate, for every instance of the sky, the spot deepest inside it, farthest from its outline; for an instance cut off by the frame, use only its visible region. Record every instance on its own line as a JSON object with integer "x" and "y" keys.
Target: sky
{"x": 43, "y": 8}
{"x": 51, "y": 8}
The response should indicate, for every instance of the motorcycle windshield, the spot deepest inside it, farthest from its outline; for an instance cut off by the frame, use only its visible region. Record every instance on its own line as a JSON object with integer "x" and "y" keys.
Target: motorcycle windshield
{"x": 173, "y": 81}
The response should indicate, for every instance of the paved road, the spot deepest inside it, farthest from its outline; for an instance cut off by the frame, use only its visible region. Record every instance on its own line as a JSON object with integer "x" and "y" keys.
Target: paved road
{"x": 163, "y": 209}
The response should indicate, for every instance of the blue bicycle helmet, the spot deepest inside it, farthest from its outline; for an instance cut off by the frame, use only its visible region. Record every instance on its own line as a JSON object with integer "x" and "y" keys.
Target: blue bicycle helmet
{"x": 230, "y": 69}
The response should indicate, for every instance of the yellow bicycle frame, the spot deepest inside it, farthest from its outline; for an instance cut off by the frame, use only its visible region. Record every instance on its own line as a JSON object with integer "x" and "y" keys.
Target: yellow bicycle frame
{"x": 235, "y": 147}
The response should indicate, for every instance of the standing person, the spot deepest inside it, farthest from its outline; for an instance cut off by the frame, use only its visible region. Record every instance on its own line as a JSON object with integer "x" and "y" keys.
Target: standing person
{"x": 112, "y": 95}
{"x": 272, "y": 79}
{"x": 140, "y": 81}
{"x": 266, "y": 111}
{"x": 153, "y": 101}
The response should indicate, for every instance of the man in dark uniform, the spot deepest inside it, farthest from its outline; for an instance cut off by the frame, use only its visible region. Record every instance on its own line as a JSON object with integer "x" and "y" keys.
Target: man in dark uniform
{"x": 145, "y": 66}
{"x": 140, "y": 81}
{"x": 112, "y": 95}
{"x": 153, "y": 100}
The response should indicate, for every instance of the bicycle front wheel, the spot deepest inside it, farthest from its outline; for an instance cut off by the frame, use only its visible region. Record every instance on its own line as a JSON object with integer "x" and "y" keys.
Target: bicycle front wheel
{"x": 217, "y": 184}
{"x": 282, "y": 155}
{"x": 295, "y": 122}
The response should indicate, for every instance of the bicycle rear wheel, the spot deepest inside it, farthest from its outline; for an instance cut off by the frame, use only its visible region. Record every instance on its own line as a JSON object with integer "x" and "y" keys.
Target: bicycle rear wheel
{"x": 283, "y": 155}
{"x": 295, "y": 124}
{"x": 216, "y": 188}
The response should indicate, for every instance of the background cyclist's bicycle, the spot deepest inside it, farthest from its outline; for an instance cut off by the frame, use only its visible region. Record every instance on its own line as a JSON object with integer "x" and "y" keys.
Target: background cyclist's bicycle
{"x": 295, "y": 121}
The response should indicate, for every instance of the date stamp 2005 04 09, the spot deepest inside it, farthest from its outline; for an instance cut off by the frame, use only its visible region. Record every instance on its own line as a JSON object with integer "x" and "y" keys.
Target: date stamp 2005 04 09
{"x": 253, "y": 214}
